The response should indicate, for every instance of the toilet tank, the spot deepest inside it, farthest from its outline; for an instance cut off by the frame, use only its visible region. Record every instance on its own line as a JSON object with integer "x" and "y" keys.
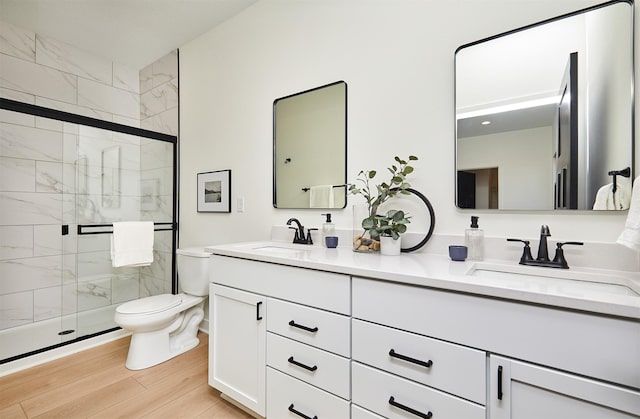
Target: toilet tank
{"x": 193, "y": 270}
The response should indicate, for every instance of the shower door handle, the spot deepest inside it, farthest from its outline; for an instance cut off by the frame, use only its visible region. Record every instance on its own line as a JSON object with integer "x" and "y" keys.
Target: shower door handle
{"x": 65, "y": 229}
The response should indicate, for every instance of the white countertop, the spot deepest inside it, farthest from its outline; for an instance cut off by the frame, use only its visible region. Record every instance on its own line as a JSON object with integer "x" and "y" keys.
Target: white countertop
{"x": 581, "y": 289}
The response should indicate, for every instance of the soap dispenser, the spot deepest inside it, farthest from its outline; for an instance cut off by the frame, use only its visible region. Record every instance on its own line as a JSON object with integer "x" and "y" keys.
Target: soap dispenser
{"x": 474, "y": 240}
{"x": 328, "y": 228}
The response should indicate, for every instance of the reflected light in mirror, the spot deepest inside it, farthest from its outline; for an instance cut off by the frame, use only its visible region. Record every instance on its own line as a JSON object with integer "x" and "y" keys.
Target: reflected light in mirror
{"x": 553, "y": 100}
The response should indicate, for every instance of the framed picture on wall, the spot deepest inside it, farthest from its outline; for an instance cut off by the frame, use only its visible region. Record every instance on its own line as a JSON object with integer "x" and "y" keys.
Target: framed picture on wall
{"x": 214, "y": 191}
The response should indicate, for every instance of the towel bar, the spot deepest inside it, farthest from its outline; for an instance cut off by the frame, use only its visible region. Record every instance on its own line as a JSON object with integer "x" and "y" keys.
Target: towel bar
{"x": 335, "y": 186}
{"x": 81, "y": 227}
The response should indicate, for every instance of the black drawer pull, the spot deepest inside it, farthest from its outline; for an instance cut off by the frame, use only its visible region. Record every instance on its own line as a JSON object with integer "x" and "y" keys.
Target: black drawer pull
{"x": 302, "y": 415}
{"x": 301, "y": 365}
{"x": 258, "y": 316}
{"x": 299, "y": 326}
{"x": 426, "y": 364}
{"x": 499, "y": 382}
{"x": 419, "y": 414}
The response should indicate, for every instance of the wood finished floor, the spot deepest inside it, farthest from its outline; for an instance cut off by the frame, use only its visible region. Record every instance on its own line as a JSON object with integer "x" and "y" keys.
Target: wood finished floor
{"x": 95, "y": 384}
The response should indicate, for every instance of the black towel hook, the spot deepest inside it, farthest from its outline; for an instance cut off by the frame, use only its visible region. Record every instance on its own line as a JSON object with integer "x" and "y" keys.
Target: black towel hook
{"x": 626, "y": 172}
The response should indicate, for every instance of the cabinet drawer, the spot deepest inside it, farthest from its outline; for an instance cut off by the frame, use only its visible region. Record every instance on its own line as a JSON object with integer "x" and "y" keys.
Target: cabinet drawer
{"x": 593, "y": 345}
{"x": 359, "y": 413}
{"x": 326, "y": 290}
{"x": 285, "y": 393}
{"x": 328, "y": 331}
{"x": 329, "y": 372}
{"x": 453, "y": 368}
{"x": 374, "y": 389}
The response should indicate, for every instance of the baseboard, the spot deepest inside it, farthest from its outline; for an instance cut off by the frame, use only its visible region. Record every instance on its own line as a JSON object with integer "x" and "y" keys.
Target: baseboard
{"x": 204, "y": 326}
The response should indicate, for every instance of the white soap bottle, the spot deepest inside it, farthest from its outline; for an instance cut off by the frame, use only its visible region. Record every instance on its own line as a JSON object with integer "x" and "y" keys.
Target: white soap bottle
{"x": 474, "y": 240}
{"x": 328, "y": 228}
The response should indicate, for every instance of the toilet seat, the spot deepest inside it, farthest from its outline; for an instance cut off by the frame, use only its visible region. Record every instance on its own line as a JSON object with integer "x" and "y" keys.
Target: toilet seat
{"x": 150, "y": 305}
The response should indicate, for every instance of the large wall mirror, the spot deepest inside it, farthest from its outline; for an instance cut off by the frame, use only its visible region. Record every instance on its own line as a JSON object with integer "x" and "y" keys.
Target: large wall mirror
{"x": 544, "y": 114}
{"x": 310, "y": 148}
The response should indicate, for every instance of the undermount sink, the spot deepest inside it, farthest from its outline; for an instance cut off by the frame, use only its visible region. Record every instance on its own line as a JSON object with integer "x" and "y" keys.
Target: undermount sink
{"x": 551, "y": 280}
{"x": 280, "y": 250}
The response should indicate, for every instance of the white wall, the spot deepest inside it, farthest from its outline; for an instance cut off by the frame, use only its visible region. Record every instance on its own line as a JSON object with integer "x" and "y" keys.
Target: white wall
{"x": 398, "y": 60}
{"x": 518, "y": 155}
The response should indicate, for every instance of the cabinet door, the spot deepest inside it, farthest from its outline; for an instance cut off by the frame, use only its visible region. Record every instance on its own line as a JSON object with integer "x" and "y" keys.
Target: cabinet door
{"x": 520, "y": 390}
{"x": 237, "y": 345}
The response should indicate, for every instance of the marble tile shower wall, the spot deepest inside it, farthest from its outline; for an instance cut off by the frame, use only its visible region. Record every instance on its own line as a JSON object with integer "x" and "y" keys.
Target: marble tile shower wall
{"x": 51, "y": 174}
{"x": 158, "y": 112}
{"x": 159, "y": 95}
{"x": 42, "y": 71}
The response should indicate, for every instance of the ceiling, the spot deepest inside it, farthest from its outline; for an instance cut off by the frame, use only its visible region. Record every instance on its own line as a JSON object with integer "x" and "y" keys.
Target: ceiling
{"x": 513, "y": 120}
{"x": 131, "y": 32}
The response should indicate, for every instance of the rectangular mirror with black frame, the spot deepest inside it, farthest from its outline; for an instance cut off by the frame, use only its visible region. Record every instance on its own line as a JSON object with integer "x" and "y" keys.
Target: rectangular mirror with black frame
{"x": 310, "y": 148}
{"x": 544, "y": 114}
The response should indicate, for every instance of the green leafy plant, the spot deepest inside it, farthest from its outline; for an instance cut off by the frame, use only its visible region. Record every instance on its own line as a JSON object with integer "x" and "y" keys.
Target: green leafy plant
{"x": 394, "y": 222}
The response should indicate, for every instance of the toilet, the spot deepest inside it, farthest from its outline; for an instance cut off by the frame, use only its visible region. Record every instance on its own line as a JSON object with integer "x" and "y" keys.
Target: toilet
{"x": 164, "y": 326}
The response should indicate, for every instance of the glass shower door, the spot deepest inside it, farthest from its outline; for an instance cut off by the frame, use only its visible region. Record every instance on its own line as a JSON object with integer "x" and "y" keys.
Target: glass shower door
{"x": 122, "y": 177}
{"x": 37, "y": 160}
{"x": 62, "y": 185}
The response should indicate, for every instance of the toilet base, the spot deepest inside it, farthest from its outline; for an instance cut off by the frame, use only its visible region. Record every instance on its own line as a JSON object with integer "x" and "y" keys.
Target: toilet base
{"x": 152, "y": 348}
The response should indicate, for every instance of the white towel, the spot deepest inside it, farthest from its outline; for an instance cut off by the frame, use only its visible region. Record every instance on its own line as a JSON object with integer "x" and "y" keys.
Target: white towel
{"x": 622, "y": 196}
{"x": 321, "y": 196}
{"x": 604, "y": 198}
{"x": 630, "y": 236}
{"x": 132, "y": 243}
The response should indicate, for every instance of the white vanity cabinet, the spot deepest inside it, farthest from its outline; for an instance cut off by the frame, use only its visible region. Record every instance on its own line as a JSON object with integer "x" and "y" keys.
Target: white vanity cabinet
{"x": 400, "y": 373}
{"x": 295, "y": 342}
{"x": 522, "y": 390}
{"x": 238, "y": 344}
{"x": 570, "y": 364}
{"x": 359, "y": 413}
{"x": 293, "y": 360}
{"x": 308, "y": 362}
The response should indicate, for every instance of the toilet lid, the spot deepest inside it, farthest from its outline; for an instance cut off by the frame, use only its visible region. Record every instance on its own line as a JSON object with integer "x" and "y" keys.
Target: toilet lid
{"x": 150, "y": 305}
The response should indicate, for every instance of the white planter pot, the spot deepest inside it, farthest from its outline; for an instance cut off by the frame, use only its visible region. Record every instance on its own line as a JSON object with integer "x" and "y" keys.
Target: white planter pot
{"x": 390, "y": 247}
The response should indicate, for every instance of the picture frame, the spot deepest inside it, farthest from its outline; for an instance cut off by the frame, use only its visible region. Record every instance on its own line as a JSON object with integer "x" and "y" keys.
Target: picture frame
{"x": 214, "y": 191}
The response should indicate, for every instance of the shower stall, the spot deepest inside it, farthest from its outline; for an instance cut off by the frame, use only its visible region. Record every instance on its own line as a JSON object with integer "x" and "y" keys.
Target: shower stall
{"x": 64, "y": 179}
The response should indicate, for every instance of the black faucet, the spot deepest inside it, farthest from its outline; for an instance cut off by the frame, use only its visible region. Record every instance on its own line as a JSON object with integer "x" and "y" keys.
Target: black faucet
{"x": 299, "y": 237}
{"x": 543, "y": 254}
